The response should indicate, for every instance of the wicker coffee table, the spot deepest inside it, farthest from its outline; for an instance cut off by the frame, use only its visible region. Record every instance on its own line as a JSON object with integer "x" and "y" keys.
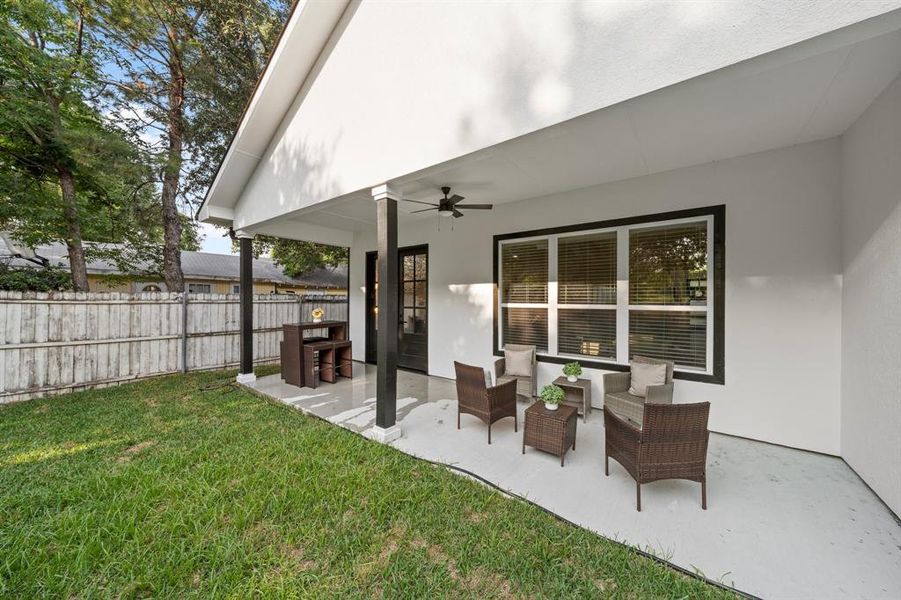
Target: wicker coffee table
{"x": 553, "y": 431}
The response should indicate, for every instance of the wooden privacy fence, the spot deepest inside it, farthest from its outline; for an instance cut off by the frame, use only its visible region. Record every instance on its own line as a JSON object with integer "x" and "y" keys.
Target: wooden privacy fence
{"x": 52, "y": 343}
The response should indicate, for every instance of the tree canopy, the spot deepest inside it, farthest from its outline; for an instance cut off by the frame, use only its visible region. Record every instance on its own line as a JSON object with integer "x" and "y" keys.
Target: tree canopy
{"x": 296, "y": 257}
{"x": 114, "y": 115}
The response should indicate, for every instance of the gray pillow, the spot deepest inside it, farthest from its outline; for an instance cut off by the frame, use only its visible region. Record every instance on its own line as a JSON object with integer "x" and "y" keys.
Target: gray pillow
{"x": 518, "y": 362}
{"x": 645, "y": 374}
{"x": 487, "y": 378}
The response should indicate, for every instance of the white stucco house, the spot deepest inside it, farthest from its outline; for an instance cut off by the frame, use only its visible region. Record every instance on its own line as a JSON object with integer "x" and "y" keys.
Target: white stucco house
{"x": 766, "y": 134}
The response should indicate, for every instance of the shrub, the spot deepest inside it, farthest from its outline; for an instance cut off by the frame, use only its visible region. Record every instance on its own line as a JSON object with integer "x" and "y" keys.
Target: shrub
{"x": 47, "y": 279}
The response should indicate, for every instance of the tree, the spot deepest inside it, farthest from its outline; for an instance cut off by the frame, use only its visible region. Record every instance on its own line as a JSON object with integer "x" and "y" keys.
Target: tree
{"x": 67, "y": 173}
{"x": 180, "y": 66}
{"x": 46, "y": 56}
{"x": 296, "y": 257}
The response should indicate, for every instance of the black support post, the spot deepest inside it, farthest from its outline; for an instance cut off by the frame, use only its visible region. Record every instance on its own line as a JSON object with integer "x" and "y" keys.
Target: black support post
{"x": 246, "y": 298}
{"x": 386, "y": 387}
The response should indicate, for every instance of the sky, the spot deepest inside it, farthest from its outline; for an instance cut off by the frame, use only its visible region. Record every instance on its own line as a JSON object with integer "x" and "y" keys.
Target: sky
{"x": 214, "y": 239}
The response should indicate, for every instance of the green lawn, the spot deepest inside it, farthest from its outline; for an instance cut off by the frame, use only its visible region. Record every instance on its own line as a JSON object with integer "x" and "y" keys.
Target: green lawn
{"x": 187, "y": 486}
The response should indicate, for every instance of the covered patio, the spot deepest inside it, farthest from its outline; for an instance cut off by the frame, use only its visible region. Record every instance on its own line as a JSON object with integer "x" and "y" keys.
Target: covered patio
{"x": 780, "y": 522}
{"x": 765, "y": 192}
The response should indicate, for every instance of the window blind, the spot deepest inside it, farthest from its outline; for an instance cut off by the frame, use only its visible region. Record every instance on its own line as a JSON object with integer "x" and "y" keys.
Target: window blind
{"x": 525, "y": 326}
{"x": 587, "y": 269}
{"x": 587, "y": 332}
{"x": 668, "y": 264}
{"x": 679, "y": 336}
{"x": 525, "y": 270}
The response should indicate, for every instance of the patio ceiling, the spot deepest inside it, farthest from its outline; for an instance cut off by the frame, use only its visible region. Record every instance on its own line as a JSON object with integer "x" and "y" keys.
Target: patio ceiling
{"x": 811, "y": 91}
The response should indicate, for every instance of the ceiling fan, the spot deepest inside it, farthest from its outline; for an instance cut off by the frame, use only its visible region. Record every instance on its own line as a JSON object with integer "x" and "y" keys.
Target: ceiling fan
{"x": 448, "y": 207}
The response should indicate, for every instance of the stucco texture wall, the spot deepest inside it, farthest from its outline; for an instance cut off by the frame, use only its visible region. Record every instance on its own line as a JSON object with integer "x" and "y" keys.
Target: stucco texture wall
{"x": 783, "y": 284}
{"x": 410, "y": 85}
{"x": 871, "y": 305}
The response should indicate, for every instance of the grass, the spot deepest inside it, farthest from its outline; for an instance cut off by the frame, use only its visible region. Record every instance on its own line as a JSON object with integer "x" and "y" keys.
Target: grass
{"x": 187, "y": 486}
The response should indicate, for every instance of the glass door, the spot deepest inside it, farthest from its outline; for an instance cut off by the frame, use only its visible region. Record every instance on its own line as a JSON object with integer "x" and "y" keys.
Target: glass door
{"x": 412, "y": 336}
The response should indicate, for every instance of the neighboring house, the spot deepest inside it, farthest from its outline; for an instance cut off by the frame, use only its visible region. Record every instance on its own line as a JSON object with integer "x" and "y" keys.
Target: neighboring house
{"x": 714, "y": 183}
{"x": 205, "y": 273}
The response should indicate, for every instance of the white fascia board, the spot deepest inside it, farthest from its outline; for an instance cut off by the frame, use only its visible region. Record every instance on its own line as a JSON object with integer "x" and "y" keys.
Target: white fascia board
{"x": 307, "y": 32}
{"x": 217, "y": 215}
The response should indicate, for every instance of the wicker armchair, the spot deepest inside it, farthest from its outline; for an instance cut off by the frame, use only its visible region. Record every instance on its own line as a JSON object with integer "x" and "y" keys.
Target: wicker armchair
{"x": 487, "y": 403}
{"x": 671, "y": 444}
{"x": 627, "y": 406}
{"x": 526, "y": 385}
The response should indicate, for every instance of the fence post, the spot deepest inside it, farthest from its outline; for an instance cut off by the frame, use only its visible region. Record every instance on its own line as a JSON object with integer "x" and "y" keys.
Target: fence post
{"x": 184, "y": 332}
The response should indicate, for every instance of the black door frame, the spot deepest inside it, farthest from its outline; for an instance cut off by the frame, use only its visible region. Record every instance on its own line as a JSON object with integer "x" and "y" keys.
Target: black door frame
{"x": 370, "y": 263}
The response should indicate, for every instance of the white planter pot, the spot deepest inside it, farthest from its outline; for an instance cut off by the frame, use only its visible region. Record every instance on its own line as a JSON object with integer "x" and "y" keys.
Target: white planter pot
{"x": 319, "y": 320}
{"x": 551, "y": 406}
{"x": 572, "y": 378}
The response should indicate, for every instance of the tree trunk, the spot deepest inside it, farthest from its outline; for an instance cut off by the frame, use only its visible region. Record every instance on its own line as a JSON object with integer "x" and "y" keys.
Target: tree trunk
{"x": 77, "y": 265}
{"x": 172, "y": 272}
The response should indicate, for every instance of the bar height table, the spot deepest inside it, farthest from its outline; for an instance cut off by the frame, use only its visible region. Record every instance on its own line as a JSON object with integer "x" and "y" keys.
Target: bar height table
{"x": 292, "y": 347}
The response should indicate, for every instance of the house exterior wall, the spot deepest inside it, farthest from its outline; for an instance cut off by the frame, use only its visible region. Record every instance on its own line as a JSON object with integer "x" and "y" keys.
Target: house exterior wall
{"x": 98, "y": 283}
{"x": 871, "y": 303}
{"x": 410, "y": 85}
{"x": 783, "y": 284}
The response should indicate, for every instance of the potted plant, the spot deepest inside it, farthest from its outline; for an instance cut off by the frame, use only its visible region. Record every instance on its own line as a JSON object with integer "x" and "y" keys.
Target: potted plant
{"x": 317, "y": 313}
{"x": 572, "y": 371}
{"x": 552, "y": 396}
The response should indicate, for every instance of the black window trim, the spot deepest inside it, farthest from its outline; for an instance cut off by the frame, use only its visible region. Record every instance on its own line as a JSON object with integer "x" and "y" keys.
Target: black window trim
{"x": 718, "y": 212}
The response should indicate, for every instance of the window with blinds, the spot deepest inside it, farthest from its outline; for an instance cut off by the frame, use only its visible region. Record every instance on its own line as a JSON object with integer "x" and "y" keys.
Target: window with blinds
{"x": 668, "y": 269}
{"x": 668, "y": 265}
{"x": 524, "y": 293}
{"x": 677, "y": 336}
{"x": 586, "y": 295}
{"x": 587, "y": 332}
{"x": 525, "y": 272}
{"x": 587, "y": 269}
{"x": 609, "y": 294}
{"x": 526, "y": 326}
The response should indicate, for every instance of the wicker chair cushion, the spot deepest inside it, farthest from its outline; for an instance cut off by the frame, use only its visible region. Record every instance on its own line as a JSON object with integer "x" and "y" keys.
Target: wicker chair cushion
{"x": 645, "y": 374}
{"x": 518, "y": 362}
{"x": 488, "y": 383}
{"x": 626, "y": 406}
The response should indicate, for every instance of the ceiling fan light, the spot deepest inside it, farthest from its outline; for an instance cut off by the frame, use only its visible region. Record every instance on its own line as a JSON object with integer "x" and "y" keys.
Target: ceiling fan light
{"x": 445, "y": 213}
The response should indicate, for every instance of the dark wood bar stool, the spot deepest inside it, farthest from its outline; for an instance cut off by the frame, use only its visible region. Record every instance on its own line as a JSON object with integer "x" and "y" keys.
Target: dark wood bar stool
{"x": 324, "y": 367}
{"x": 344, "y": 358}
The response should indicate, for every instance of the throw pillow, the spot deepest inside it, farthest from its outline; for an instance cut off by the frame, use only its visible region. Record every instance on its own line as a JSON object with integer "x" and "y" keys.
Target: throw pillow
{"x": 645, "y": 374}
{"x": 518, "y": 362}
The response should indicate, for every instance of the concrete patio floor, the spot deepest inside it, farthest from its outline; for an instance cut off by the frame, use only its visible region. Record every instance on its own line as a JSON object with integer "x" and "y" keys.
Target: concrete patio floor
{"x": 781, "y": 523}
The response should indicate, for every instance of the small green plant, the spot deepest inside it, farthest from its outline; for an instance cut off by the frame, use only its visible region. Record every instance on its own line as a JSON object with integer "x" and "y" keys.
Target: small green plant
{"x": 551, "y": 394}
{"x": 572, "y": 369}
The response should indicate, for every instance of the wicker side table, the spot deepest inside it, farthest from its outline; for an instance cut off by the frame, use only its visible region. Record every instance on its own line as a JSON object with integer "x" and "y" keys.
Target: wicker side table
{"x": 578, "y": 393}
{"x": 553, "y": 431}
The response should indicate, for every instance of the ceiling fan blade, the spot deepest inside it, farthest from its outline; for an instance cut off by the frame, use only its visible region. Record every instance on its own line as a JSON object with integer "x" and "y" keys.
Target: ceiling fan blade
{"x": 457, "y": 214}
{"x": 413, "y": 212}
{"x": 454, "y": 199}
{"x": 419, "y": 202}
{"x": 476, "y": 206}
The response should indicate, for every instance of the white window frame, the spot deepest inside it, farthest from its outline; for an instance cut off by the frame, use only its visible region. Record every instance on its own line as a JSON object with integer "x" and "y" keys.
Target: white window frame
{"x": 622, "y": 306}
